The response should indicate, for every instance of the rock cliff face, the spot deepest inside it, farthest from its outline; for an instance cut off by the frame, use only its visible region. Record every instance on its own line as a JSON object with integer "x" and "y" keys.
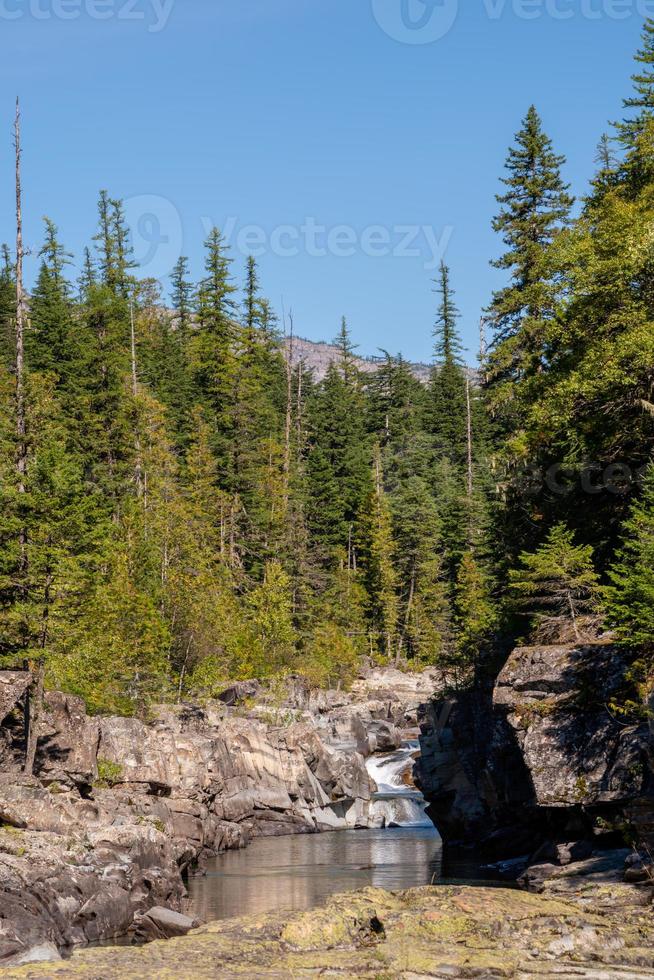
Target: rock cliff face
{"x": 118, "y": 809}
{"x": 540, "y": 757}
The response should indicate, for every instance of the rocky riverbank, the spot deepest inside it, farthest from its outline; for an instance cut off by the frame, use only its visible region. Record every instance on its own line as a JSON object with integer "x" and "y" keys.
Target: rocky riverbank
{"x": 602, "y": 933}
{"x": 118, "y": 810}
{"x": 538, "y": 773}
{"x": 541, "y": 768}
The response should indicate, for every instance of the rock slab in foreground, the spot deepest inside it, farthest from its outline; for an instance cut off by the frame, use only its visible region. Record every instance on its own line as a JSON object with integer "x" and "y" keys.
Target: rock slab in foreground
{"x": 425, "y": 932}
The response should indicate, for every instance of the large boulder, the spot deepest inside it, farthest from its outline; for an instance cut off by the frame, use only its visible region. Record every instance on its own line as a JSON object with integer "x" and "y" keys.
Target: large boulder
{"x": 539, "y": 758}
{"x": 68, "y": 742}
{"x": 143, "y": 757}
{"x": 575, "y": 750}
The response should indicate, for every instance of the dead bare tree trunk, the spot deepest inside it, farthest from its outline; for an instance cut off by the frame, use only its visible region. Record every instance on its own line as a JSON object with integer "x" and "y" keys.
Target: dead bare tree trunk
{"x": 32, "y": 715}
{"x": 470, "y": 483}
{"x": 21, "y": 425}
{"x": 298, "y": 412}
{"x": 34, "y": 696}
{"x": 138, "y": 468}
{"x": 483, "y": 343}
{"x": 289, "y": 416}
{"x": 573, "y": 615}
{"x": 469, "y": 430}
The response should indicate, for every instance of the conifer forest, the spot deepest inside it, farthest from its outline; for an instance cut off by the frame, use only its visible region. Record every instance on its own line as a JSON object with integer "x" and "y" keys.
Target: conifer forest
{"x": 183, "y": 503}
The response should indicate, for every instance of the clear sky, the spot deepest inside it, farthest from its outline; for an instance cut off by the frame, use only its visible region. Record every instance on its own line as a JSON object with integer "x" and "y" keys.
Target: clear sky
{"x": 346, "y": 142}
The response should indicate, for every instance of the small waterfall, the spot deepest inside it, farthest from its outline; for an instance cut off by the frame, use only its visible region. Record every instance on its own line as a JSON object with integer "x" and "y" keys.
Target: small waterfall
{"x": 397, "y": 802}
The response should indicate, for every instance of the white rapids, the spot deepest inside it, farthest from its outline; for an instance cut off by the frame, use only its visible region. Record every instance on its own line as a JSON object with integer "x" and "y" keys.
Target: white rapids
{"x": 397, "y": 802}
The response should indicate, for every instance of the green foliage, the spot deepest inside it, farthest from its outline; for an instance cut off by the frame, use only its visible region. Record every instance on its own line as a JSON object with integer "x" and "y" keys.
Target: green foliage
{"x": 558, "y": 587}
{"x": 569, "y": 376}
{"x": 630, "y": 596}
{"x": 7, "y": 308}
{"x": 332, "y": 657}
{"x": 533, "y": 208}
{"x": 109, "y": 773}
{"x": 475, "y": 616}
{"x": 196, "y": 509}
{"x": 270, "y": 605}
{"x": 378, "y": 562}
{"x": 447, "y": 408}
{"x": 182, "y": 296}
{"x": 338, "y": 465}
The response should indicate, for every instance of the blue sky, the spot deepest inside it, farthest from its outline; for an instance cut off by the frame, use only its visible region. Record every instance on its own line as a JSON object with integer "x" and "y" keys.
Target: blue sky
{"x": 316, "y": 132}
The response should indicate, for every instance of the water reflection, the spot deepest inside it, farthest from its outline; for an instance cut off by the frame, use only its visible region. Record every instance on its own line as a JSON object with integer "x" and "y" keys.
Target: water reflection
{"x": 301, "y": 872}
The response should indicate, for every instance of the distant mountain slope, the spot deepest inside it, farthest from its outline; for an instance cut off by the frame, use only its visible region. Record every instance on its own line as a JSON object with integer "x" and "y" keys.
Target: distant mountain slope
{"x": 317, "y": 356}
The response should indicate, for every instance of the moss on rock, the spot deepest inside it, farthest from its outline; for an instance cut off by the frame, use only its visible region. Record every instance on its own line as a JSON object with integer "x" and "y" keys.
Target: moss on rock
{"x": 423, "y": 932}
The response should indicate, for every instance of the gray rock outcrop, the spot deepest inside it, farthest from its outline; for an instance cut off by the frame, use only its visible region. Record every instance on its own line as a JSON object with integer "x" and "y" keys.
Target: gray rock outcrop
{"x": 541, "y": 757}
{"x": 118, "y": 809}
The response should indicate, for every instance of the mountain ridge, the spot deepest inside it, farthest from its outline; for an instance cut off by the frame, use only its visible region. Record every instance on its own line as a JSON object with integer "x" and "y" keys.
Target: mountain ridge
{"x": 317, "y": 355}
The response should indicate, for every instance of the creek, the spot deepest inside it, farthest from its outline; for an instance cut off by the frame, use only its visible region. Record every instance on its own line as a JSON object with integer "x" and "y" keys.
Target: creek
{"x": 300, "y": 872}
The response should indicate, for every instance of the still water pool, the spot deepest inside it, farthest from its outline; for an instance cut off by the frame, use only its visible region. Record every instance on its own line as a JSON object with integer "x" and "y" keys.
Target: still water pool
{"x": 301, "y": 872}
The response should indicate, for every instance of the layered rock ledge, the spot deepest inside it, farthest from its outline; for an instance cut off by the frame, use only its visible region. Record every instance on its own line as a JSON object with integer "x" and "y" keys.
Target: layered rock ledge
{"x": 118, "y": 810}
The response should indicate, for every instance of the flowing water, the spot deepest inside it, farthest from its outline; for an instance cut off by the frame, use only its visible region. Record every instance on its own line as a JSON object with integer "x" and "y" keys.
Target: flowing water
{"x": 301, "y": 872}
{"x": 397, "y": 802}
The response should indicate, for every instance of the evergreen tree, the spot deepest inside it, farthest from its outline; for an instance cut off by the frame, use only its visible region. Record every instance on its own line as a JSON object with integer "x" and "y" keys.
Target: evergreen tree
{"x": 378, "y": 562}
{"x": 256, "y": 419}
{"x": 115, "y": 654}
{"x": 630, "y": 597}
{"x": 104, "y": 429}
{"x": 338, "y": 465}
{"x": 40, "y": 584}
{"x": 212, "y": 348}
{"x": 163, "y": 364}
{"x": 54, "y": 255}
{"x": 51, "y": 344}
{"x": 636, "y": 133}
{"x": 252, "y": 303}
{"x": 88, "y": 278}
{"x": 447, "y": 409}
{"x": 346, "y": 350}
{"x": 534, "y": 208}
{"x": 271, "y": 615}
{"x": 558, "y": 588}
{"x": 123, "y": 260}
{"x": 396, "y": 404}
{"x": 454, "y": 515}
{"x": 594, "y": 401}
{"x": 105, "y": 241}
{"x": 475, "y": 617}
{"x": 424, "y": 608}
{"x": 182, "y": 296}
{"x": 332, "y": 658}
{"x": 607, "y": 173}
{"x": 114, "y": 248}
